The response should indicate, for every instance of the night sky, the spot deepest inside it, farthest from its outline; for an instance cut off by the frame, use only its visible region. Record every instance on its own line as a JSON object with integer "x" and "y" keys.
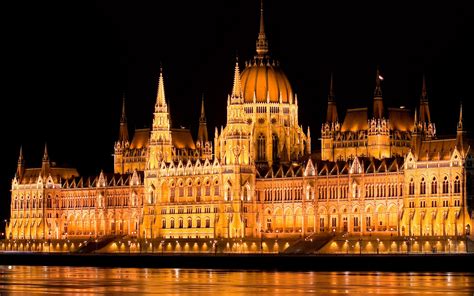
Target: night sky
{"x": 66, "y": 65}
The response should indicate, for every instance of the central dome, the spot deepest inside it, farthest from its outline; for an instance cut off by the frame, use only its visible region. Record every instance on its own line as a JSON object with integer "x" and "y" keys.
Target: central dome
{"x": 264, "y": 79}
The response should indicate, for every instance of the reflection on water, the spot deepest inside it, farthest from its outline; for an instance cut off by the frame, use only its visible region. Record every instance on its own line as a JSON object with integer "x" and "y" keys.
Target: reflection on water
{"x": 91, "y": 280}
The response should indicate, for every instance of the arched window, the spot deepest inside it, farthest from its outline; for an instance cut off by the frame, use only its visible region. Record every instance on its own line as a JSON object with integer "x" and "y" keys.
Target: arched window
{"x": 163, "y": 223}
{"x": 457, "y": 185}
{"x": 275, "y": 147}
{"x": 261, "y": 147}
{"x": 445, "y": 185}
{"x": 208, "y": 223}
{"x": 190, "y": 223}
{"x": 434, "y": 186}
{"x": 172, "y": 223}
{"x": 198, "y": 223}
{"x": 422, "y": 186}
{"x": 411, "y": 188}
{"x": 181, "y": 223}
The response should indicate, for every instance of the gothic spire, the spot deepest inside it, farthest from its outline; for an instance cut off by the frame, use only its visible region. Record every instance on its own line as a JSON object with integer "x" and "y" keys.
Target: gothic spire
{"x": 460, "y": 121}
{"x": 20, "y": 157}
{"x": 262, "y": 43}
{"x": 160, "y": 97}
{"x": 21, "y": 164}
{"x": 237, "y": 87}
{"x": 202, "y": 118}
{"x": 45, "y": 154}
{"x": 202, "y": 132}
{"x": 46, "y": 164}
{"x": 424, "y": 107}
{"x": 123, "y": 132}
{"x": 378, "y": 101}
{"x": 331, "y": 115}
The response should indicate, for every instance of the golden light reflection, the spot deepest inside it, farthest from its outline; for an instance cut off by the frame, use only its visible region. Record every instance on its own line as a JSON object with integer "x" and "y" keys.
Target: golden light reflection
{"x": 135, "y": 281}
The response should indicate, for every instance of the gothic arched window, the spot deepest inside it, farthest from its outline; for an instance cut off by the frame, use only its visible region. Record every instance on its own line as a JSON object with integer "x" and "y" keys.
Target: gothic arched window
{"x": 434, "y": 186}
{"x": 411, "y": 188}
{"x": 457, "y": 185}
{"x": 423, "y": 186}
{"x": 445, "y": 185}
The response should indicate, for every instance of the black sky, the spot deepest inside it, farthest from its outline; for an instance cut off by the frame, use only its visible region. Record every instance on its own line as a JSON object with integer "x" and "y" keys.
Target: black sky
{"x": 66, "y": 64}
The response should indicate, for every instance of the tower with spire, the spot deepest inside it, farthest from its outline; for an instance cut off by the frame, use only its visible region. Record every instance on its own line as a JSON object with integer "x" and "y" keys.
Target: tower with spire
{"x": 378, "y": 136}
{"x": 203, "y": 144}
{"x": 46, "y": 164}
{"x": 331, "y": 125}
{"x": 160, "y": 146}
{"x": 122, "y": 143}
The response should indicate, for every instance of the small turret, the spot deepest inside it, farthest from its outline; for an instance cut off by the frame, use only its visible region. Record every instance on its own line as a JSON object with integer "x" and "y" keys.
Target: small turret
{"x": 20, "y": 169}
{"x": 46, "y": 164}
{"x": 331, "y": 115}
{"x": 123, "y": 132}
{"x": 202, "y": 132}
{"x": 424, "y": 108}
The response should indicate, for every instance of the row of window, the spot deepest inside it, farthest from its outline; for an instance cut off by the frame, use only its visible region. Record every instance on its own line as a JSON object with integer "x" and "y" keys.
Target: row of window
{"x": 286, "y": 194}
{"x": 189, "y": 210}
{"x": 189, "y": 224}
{"x": 434, "y": 186}
{"x": 434, "y": 203}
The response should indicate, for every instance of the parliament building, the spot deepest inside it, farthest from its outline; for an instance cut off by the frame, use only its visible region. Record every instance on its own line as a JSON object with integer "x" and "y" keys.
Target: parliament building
{"x": 379, "y": 171}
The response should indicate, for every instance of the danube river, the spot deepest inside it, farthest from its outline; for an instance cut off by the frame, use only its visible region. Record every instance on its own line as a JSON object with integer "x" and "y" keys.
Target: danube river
{"x": 47, "y": 280}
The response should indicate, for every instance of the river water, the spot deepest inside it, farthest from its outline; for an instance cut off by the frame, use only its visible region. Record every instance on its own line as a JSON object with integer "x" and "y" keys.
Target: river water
{"x": 47, "y": 280}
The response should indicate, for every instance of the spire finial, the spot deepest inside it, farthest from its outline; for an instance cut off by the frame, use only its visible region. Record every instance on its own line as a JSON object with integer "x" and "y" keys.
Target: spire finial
{"x": 331, "y": 89}
{"x": 378, "y": 86}
{"x": 203, "y": 114}
{"x": 20, "y": 157}
{"x": 237, "y": 87}
{"x": 378, "y": 101}
{"x": 123, "y": 132}
{"x": 424, "y": 96}
{"x": 262, "y": 43}
{"x": 460, "y": 122}
{"x": 123, "y": 118}
{"x": 45, "y": 155}
{"x": 160, "y": 98}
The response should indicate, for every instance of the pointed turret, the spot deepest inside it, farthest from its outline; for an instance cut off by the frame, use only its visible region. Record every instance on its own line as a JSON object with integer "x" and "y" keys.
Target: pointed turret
{"x": 262, "y": 43}
{"x": 424, "y": 108}
{"x": 202, "y": 132}
{"x": 160, "y": 145}
{"x": 45, "y": 154}
{"x": 460, "y": 121}
{"x": 160, "y": 96}
{"x": 237, "y": 87}
{"x": 378, "y": 101}
{"x": 123, "y": 132}
{"x": 45, "y": 164}
{"x": 331, "y": 115}
{"x": 460, "y": 133}
{"x": 21, "y": 164}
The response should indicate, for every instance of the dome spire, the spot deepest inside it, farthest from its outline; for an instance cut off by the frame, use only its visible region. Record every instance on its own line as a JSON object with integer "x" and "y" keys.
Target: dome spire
{"x": 378, "y": 101}
{"x": 262, "y": 43}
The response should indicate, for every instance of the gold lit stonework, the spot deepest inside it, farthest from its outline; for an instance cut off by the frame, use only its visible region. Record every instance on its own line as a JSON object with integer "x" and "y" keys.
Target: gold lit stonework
{"x": 385, "y": 174}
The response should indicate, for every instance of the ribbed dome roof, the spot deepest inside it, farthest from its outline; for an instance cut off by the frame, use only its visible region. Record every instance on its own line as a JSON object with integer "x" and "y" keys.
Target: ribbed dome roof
{"x": 261, "y": 77}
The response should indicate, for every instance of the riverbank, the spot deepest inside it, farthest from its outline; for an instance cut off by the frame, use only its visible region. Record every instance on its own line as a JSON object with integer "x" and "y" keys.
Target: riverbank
{"x": 396, "y": 262}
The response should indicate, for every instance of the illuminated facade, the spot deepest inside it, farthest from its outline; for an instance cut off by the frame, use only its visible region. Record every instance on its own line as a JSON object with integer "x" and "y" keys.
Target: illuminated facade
{"x": 388, "y": 173}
